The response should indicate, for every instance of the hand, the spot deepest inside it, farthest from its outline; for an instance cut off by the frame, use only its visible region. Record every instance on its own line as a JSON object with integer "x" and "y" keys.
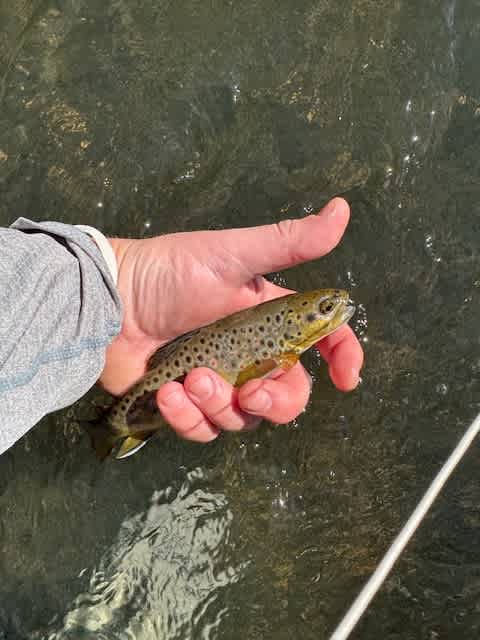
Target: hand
{"x": 175, "y": 283}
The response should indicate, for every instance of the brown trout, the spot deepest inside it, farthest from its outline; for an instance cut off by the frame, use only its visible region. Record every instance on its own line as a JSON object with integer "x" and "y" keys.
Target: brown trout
{"x": 252, "y": 343}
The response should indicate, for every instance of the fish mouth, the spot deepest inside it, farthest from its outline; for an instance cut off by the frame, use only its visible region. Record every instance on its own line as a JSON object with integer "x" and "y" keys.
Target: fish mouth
{"x": 347, "y": 313}
{"x": 342, "y": 317}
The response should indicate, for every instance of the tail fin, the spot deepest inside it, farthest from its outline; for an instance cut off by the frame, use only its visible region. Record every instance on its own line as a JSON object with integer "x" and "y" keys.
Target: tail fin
{"x": 103, "y": 439}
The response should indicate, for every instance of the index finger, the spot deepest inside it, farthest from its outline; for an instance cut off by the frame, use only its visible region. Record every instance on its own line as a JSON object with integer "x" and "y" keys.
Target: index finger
{"x": 344, "y": 355}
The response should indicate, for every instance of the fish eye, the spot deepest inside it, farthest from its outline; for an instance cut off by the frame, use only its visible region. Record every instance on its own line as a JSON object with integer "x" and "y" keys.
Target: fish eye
{"x": 326, "y": 307}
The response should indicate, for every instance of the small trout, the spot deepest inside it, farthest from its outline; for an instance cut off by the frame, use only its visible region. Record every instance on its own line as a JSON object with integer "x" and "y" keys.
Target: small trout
{"x": 252, "y": 343}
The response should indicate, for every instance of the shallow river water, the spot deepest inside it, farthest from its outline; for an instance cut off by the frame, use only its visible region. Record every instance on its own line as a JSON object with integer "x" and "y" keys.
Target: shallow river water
{"x": 149, "y": 117}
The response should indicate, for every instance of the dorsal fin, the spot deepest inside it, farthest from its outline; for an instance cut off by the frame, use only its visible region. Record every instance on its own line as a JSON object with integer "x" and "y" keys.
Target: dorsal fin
{"x": 168, "y": 349}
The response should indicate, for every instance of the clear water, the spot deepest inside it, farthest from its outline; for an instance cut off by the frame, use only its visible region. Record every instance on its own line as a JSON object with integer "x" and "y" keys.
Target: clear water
{"x": 149, "y": 117}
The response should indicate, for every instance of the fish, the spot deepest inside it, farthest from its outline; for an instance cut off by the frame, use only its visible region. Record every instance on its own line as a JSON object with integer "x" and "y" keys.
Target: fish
{"x": 252, "y": 343}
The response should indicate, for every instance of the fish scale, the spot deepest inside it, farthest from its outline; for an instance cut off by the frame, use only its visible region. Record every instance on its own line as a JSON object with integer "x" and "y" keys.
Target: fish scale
{"x": 248, "y": 344}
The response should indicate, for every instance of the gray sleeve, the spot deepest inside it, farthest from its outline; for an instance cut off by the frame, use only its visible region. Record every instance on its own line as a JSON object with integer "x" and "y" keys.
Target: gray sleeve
{"x": 59, "y": 309}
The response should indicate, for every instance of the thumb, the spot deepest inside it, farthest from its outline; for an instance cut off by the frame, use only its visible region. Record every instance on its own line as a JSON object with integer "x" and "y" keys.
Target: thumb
{"x": 290, "y": 242}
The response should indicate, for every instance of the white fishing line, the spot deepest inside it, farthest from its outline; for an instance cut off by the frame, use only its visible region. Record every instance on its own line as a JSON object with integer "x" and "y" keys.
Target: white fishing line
{"x": 380, "y": 574}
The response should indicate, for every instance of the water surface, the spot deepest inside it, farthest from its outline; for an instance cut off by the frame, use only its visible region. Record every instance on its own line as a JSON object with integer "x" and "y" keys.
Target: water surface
{"x": 150, "y": 117}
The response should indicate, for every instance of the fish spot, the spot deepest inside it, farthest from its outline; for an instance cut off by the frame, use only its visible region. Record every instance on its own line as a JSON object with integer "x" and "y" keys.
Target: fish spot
{"x": 176, "y": 363}
{"x": 234, "y": 331}
{"x": 217, "y": 347}
{"x": 261, "y": 328}
{"x": 232, "y": 340}
{"x": 290, "y": 321}
{"x": 310, "y": 317}
{"x": 202, "y": 340}
{"x": 281, "y": 342}
{"x": 270, "y": 344}
{"x": 250, "y": 329}
{"x": 278, "y": 318}
{"x": 195, "y": 349}
{"x": 257, "y": 361}
{"x": 304, "y": 303}
{"x": 267, "y": 319}
{"x": 156, "y": 380}
{"x": 265, "y": 354}
{"x": 188, "y": 359}
{"x": 168, "y": 374}
{"x": 200, "y": 357}
{"x": 207, "y": 350}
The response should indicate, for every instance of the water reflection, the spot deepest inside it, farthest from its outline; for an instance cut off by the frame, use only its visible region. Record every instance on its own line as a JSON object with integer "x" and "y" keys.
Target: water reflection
{"x": 165, "y": 574}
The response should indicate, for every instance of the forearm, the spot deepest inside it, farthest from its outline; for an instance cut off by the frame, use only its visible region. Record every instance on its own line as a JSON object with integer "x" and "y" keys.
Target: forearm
{"x": 59, "y": 309}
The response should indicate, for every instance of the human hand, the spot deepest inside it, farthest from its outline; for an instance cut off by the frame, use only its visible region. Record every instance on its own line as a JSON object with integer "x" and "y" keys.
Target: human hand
{"x": 175, "y": 283}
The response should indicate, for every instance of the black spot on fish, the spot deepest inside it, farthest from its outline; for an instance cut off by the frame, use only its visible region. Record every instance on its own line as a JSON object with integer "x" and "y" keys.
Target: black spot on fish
{"x": 304, "y": 303}
{"x": 270, "y": 344}
{"x": 156, "y": 380}
{"x": 267, "y": 319}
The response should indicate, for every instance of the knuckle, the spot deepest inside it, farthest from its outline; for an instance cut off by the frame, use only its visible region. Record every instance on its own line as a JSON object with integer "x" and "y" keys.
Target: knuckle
{"x": 287, "y": 233}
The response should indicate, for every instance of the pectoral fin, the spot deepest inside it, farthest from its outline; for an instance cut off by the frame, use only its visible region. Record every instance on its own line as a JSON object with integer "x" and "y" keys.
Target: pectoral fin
{"x": 265, "y": 368}
{"x": 287, "y": 360}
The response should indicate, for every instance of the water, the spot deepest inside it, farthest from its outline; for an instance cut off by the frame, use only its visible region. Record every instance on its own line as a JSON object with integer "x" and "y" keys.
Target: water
{"x": 147, "y": 117}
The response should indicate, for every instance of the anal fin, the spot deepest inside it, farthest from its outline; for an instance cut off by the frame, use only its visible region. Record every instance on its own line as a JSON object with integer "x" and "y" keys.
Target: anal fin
{"x": 132, "y": 444}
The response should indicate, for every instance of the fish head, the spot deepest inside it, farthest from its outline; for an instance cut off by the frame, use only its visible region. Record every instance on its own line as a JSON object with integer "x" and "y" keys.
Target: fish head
{"x": 311, "y": 316}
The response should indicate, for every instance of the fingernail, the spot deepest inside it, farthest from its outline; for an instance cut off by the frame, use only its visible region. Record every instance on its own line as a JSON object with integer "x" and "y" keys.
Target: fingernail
{"x": 258, "y": 402}
{"x": 174, "y": 400}
{"x": 330, "y": 210}
{"x": 201, "y": 389}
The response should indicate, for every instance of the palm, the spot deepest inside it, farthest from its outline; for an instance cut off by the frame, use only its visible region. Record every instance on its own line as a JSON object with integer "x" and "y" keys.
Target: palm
{"x": 189, "y": 280}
